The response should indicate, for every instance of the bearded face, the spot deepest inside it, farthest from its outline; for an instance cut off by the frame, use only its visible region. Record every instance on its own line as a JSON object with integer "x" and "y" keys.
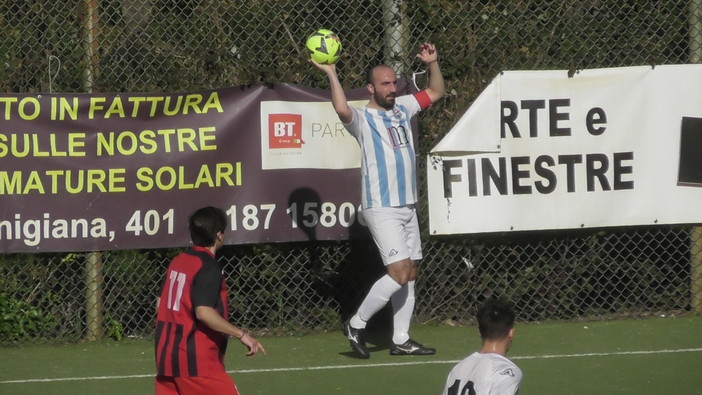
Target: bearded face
{"x": 384, "y": 99}
{"x": 383, "y": 87}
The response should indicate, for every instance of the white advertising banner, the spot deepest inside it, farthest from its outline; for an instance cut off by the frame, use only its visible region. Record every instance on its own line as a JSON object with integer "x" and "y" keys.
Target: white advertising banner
{"x": 300, "y": 135}
{"x": 545, "y": 150}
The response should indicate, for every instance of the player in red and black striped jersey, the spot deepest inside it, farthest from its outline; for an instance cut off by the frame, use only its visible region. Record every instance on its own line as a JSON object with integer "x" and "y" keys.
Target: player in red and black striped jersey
{"x": 192, "y": 324}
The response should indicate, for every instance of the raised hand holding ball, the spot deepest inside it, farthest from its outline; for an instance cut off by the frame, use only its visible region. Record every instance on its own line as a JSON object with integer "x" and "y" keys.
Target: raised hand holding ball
{"x": 324, "y": 46}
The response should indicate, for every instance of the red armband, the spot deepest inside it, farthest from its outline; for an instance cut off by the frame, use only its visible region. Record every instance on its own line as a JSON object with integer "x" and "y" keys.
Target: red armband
{"x": 423, "y": 99}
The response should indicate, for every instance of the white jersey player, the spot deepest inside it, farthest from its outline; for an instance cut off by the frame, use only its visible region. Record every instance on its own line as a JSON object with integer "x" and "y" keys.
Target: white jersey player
{"x": 388, "y": 157}
{"x": 389, "y": 193}
{"x": 488, "y": 371}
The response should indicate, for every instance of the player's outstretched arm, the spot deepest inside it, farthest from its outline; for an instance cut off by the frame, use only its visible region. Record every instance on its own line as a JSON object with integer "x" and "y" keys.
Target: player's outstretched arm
{"x": 341, "y": 105}
{"x": 428, "y": 55}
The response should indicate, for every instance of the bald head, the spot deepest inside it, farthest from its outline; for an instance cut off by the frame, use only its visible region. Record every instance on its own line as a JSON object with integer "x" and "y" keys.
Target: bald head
{"x": 372, "y": 73}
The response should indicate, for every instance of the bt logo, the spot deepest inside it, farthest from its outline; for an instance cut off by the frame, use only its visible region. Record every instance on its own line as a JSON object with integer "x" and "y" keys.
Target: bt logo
{"x": 284, "y": 131}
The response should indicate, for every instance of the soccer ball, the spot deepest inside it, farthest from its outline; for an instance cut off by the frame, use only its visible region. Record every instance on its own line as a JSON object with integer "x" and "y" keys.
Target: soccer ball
{"x": 324, "y": 46}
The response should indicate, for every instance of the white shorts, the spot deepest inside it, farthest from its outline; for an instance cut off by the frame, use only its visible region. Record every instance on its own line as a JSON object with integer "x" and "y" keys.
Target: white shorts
{"x": 395, "y": 231}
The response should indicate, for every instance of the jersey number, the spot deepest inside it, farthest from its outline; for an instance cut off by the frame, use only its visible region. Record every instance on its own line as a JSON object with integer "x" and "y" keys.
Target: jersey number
{"x": 175, "y": 281}
{"x": 468, "y": 389}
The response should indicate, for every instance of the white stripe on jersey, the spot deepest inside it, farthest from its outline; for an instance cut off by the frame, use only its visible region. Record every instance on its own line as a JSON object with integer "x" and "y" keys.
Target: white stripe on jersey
{"x": 388, "y": 163}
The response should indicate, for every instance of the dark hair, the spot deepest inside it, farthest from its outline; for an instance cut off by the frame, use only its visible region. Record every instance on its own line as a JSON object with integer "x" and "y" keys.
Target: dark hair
{"x": 495, "y": 318}
{"x": 204, "y": 225}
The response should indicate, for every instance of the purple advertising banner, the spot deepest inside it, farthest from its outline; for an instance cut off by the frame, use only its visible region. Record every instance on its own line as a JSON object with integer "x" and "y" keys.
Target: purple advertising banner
{"x": 85, "y": 172}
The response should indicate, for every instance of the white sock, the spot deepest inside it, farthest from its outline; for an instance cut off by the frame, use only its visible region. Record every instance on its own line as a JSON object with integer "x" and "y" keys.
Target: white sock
{"x": 376, "y": 299}
{"x": 403, "y": 307}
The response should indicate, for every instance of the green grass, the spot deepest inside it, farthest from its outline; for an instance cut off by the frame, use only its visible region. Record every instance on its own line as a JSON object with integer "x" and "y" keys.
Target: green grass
{"x": 650, "y": 356}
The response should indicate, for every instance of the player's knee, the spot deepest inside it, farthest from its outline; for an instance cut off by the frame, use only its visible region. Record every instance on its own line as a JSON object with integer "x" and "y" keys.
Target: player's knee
{"x": 401, "y": 272}
{"x": 400, "y": 279}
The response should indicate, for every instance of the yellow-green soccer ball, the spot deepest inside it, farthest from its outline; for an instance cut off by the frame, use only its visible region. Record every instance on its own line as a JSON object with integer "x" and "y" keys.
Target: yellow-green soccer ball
{"x": 324, "y": 46}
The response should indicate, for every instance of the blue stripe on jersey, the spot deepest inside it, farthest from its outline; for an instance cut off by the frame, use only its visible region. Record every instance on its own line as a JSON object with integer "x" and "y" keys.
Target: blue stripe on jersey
{"x": 365, "y": 178}
{"x": 367, "y": 189}
{"x": 414, "y": 179}
{"x": 399, "y": 165}
{"x": 380, "y": 160}
{"x": 411, "y": 150}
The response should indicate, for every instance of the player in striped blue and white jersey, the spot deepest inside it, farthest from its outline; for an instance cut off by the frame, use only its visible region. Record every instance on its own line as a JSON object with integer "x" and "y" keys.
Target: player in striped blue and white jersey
{"x": 389, "y": 192}
{"x": 387, "y": 157}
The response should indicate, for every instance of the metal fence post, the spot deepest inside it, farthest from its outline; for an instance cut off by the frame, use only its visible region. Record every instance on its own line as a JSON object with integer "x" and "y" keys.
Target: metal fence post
{"x": 396, "y": 34}
{"x": 90, "y": 44}
{"x": 93, "y": 263}
{"x": 93, "y": 296}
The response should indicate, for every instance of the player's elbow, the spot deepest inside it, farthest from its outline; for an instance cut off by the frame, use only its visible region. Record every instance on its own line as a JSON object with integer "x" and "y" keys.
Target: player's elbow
{"x": 435, "y": 94}
{"x": 345, "y": 114}
{"x": 204, "y": 313}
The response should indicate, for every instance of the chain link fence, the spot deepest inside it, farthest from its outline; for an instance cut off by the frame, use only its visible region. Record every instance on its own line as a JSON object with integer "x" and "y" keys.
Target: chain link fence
{"x": 183, "y": 45}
